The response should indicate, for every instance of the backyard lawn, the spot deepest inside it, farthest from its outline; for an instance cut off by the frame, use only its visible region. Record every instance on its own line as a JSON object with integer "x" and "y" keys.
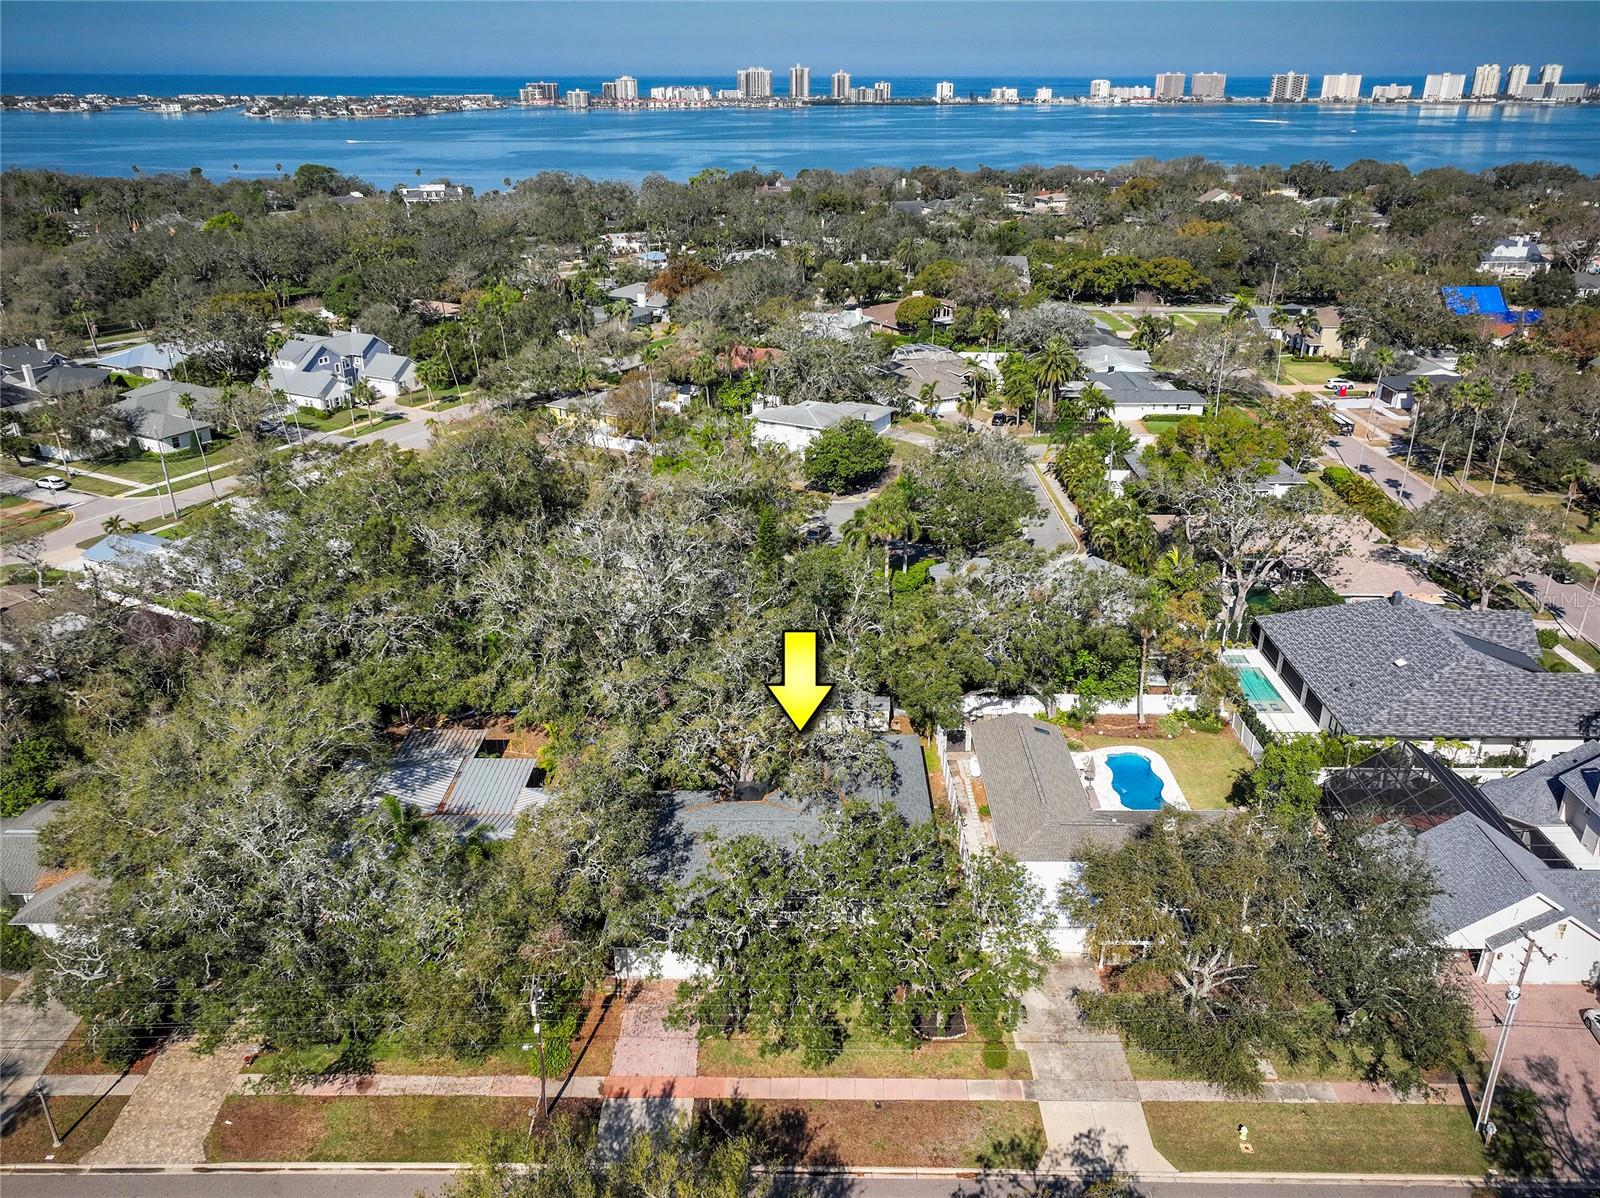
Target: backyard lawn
{"x": 929, "y": 1135}
{"x": 371, "y": 1128}
{"x": 1316, "y": 1137}
{"x": 867, "y": 1054}
{"x": 81, "y": 1121}
{"x": 1204, "y": 763}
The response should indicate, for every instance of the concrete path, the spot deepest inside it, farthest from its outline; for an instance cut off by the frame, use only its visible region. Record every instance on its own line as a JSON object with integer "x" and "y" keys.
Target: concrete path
{"x": 113, "y": 1085}
{"x": 29, "y": 1037}
{"x": 1572, "y": 659}
{"x": 171, "y": 1111}
{"x": 647, "y": 1048}
{"x": 1088, "y": 1101}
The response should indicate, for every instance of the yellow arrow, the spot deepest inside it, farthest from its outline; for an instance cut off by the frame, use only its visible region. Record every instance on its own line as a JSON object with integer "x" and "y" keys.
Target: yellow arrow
{"x": 799, "y": 694}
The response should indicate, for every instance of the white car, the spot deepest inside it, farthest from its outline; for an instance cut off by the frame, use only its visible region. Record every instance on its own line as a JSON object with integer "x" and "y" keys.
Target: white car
{"x": 52, "y": 482}
{"x": 1591, "y": 1020}
{"x": 1338, "y": 383}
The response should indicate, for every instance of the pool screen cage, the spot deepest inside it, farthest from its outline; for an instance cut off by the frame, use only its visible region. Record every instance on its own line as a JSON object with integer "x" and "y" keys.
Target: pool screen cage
{"x": 1406, "y": 785}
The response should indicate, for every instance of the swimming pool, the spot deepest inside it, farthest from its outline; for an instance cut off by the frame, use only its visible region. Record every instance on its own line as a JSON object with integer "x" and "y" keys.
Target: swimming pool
{"x": 1259, "y": 690}
{"x": 1135, "y": 781}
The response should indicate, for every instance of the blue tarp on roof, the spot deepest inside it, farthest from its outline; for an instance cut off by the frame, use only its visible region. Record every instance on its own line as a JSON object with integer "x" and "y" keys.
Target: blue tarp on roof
{"x": 1475, "y": 301}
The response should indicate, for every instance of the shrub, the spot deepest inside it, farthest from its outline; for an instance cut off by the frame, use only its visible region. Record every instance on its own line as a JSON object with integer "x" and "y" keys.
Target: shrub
{"x": 995, "y": 1054}
{"x": 1365, "y": 497}
{"x": 1549, "y": 638}
{"x": 846, "y": 457}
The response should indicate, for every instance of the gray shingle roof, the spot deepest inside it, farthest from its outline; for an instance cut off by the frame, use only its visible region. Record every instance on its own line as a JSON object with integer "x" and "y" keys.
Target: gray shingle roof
{"x": 818, "y": 415}
{"x": 51, "y": 905}
{"x": 1482, "y": 872}
{"x": 1387, "y": 668}
{"x": 1038, "y": 808}
{"x": 157, "y": 411}
{"x": 1531, "y": 797}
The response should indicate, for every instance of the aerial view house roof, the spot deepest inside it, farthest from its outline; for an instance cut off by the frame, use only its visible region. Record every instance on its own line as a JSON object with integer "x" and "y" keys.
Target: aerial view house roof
{"x": 1480, "y": 300}
{"x": 700, "y": 813}
{"x": 814, "y": 414}
{"x": 149, "y": 356}
{"x": 21, "y": 875}
{"x": 1038, "y": 807}
{"x": 156, "y": 409}
{"x": 437, "y": 771}
{"x": 1396, "y": 667}
{"x": 1534, "y": 795}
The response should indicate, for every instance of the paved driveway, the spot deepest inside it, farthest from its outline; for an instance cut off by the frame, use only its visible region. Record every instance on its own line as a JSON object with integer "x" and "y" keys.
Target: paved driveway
{"x": 1552, "y": 1054}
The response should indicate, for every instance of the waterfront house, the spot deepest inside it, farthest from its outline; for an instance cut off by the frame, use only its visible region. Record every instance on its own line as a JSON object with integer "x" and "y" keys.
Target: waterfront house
{"x": 430, "y": 193}
{"x": 1517, "y": 257}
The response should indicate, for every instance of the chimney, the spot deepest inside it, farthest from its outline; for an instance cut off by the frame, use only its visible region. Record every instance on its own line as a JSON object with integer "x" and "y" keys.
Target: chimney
{"x": 27, "y": 378}
{"x": 39, "y": 345}
{"x": 1397, "y": 599}
{"x": 355, "y": 328}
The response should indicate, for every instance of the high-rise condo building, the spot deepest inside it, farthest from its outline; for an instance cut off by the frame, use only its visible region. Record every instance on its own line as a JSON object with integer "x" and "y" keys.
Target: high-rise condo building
{"x": 1444, "y": 86}
{"x": 1288, "y": 87}
{"x": 1340, "y": 87}
{"x": 539, "y": 93}
{"x": 755, "y": 83}
{"x": 881, "y": 91}
{"x": 1169, "y": 85}
{"x": 1003, "y": 95}
{"x": 944, "y": 91}
{"x": 1208, "y": 85}
{"x": 1486, "y": 81}
{"x": 841, "y": 85}
{"x": 577, "y": 98}
{"x": 625, "y": 89}
{"x": 1517, "y": 80}
{"x": 799, "y": 82}
{"x": 1043, "y": 95}
{"x": 1550, "y": 73}
{"x": 1391, "y": 91}
{"x": 1099, "y": 89}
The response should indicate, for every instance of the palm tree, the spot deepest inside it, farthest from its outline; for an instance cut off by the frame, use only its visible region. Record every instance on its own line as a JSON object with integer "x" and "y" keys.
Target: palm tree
{"x": 186, "y": 402}
{"x": 703, "y": 372}
{"x": 1150, "y": 330}
{"x": 986, "y": 325}
{"x": 1054, "y": 365}
{"x": 1477, "y": 397}
{"x": 1521, "y": 388}
{"x": 360, "y": 395}
{"x": 112, "y": 525}
{"x": 883, "y": 520}
{"x": 1280, "y": 321}
{"x": 1242, "y": 308}
{"x": 1420, "y": 390}
{"x": 1096, "y": 403}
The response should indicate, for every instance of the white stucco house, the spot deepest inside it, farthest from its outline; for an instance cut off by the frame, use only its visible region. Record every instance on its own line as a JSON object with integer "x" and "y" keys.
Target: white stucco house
{"x": 318, "y": 372}
{"x": 795, "y": 426}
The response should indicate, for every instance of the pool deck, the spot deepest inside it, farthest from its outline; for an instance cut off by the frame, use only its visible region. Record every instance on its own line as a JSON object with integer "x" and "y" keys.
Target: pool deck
{"x": 1286, "y": 717}
{"x": 1097, "y": 777}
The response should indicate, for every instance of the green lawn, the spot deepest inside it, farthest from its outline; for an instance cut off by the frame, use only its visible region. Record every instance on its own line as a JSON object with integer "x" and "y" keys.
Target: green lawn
{"x": 371, "y": 426}
{"x": 1311, "y": 372}
{"x": 1575, "y": 519}
{"x": 1115, "y": 320}
{"x": 146, "y": 467}
{"x": 1343, "y": 1066}
{"x": 1582, "y": 649}
{"x": 371, "y": 1128}
{"x": 92, "y": 486}
{"x": 1204, "y": 763}
{"x": 81, "y": 1121}
{"x": 907, "y": 1134}
{"x": 18, "y": 524}
{"x": 867, "y": 1054}
{"x": 1316, "y": 1137}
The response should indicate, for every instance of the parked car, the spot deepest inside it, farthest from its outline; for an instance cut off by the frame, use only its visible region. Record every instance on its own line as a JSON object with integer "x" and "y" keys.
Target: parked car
{"x": 52, "y": 482}
{"x": 1338, "y": 383}
{"x": 1591, "y": 1020}
{"x": 999, "y": 419}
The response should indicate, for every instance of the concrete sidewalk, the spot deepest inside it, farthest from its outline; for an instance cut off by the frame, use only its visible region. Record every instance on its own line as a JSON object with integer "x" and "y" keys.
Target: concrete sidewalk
{"x": 29, "y": 1038}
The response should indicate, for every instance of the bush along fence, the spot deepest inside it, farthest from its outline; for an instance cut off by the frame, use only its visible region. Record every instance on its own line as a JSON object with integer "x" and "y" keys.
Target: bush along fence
{"x": 1365, "y": 497}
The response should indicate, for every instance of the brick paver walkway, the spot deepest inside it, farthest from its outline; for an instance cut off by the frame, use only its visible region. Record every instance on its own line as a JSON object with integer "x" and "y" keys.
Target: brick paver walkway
{"x": 646, "y": 1046}
{"x": 172, "y": 1109}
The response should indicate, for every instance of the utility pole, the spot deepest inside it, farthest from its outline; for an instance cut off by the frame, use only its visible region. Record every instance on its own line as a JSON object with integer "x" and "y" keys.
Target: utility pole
{"x": 1484, "y": 1125}
{"x": 50, "y": 1120}
{"x": 535, "y": 993}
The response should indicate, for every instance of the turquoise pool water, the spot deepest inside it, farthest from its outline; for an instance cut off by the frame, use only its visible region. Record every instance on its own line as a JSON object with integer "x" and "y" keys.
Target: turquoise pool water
{"x": 1258, "y": 687}
{"x": 1134, "y": 781}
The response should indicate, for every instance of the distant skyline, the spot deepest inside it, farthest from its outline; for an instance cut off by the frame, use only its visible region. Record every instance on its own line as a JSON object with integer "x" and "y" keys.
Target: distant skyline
{"x": 713, "y": 38}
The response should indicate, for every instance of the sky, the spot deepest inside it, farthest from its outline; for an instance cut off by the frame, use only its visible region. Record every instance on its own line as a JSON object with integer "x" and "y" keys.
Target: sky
{"x": 711, "y": 38}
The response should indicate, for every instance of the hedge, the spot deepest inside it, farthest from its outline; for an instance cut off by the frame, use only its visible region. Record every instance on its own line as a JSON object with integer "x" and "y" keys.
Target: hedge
{"x": 1366, "y": 497}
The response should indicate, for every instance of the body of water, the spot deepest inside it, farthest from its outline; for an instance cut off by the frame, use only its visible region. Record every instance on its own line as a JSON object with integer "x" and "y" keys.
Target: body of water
{"x": 484, "y": 148}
